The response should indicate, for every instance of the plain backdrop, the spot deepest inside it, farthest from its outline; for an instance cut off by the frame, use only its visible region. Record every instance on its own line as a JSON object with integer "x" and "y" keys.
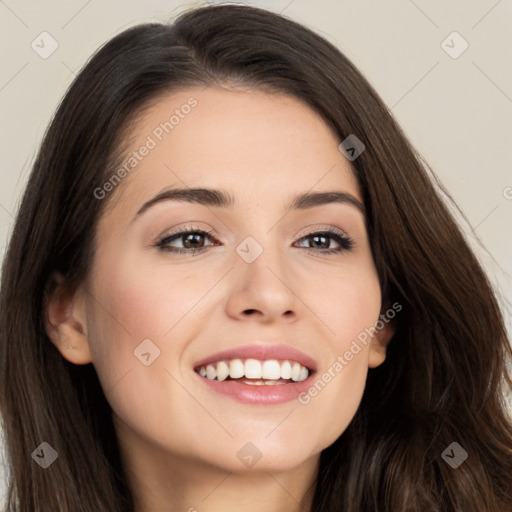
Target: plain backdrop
{"x": 442, "y": 67}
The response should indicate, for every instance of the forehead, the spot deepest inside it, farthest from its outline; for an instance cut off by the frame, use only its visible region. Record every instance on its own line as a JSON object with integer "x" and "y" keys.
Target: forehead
{"x": 256, "y": 145}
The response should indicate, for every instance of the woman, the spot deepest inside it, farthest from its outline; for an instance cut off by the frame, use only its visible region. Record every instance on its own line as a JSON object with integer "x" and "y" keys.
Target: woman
{"x": 232, "y": 285}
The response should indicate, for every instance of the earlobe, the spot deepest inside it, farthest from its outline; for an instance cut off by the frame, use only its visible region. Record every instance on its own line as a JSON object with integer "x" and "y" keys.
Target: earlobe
{"x": 65, "y": 320}
{"x": 379, "y": 344}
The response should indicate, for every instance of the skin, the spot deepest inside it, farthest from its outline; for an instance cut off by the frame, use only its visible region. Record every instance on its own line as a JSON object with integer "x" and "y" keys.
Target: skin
{"x": 179, "y": 439}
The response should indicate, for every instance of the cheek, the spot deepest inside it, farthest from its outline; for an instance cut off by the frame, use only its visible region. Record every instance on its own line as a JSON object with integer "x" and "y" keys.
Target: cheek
{"x": 347, "y": 302}
{"x": 141, "y": 301}
{"x": 349, "y": 306}
{"x": 134, "y": 341}
{"x": 138, "y": 309}
{"x": 332, "y": 400}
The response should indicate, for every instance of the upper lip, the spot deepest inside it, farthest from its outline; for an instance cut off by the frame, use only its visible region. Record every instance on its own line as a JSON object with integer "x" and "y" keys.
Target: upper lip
{"x": 261, "y": 352}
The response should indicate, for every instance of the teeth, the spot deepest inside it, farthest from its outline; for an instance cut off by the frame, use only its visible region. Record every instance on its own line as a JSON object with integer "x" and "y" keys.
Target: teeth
{"x": 253, "y": 369}
{"x": 286, "y": 370}
{"x": 211, "y": 372}
{"x": 267, "y": 372}
{"x": 222, "y": 370}
{"x": 263, "y": 383}
{"x": 236, "y": 369}
{"x": 295, "y": 371}
{"x": 271, "y": 370}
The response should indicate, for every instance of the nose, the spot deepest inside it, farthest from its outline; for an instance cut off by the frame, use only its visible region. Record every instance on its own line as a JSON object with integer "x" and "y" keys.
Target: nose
{"x": 264, "y": 290}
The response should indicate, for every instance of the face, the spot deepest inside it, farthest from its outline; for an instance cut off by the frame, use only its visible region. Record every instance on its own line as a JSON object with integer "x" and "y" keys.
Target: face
{"x": 254, "y": 281}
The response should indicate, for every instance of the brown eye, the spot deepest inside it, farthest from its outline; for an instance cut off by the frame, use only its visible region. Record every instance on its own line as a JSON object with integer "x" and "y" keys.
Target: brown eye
{"x": 192, "y": 240}
{"x": 322, "y": 240}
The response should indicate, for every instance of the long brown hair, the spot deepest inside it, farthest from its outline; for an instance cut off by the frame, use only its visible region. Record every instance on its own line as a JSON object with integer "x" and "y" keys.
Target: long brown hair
{"x": 443, "y": 378}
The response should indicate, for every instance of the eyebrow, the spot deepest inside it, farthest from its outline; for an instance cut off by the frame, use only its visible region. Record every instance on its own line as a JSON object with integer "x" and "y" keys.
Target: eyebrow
{"x": 222, "y": 199}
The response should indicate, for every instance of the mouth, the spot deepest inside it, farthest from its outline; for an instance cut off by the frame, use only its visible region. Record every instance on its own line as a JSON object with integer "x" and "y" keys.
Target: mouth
{"x": 258, "y": 374}
{"x": 270, "y": 372}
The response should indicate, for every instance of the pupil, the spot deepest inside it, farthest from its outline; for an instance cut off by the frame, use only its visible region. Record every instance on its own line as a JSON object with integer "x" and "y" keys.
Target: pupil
{"x": 190, "y": 236}
{"x": 321, "y": 237}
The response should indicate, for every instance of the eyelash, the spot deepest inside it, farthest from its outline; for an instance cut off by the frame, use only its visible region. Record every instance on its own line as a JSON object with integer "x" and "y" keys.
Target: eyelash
{"x": 345, "y": 243}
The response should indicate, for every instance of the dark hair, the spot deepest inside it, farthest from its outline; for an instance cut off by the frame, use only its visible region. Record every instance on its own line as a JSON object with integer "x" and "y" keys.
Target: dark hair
{"x": 443, "y": 377}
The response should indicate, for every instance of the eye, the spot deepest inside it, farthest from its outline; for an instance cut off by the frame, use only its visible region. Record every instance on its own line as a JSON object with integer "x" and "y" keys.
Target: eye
{"x": 323, "y": 239}
{"x": 192, "y": 241}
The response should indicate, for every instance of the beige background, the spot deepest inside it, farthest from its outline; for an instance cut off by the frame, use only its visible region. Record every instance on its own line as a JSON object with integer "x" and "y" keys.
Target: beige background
{"x": 456, "y": 111}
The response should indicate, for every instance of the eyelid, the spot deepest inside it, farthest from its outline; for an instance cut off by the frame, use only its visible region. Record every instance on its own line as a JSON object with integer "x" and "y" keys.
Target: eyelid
{"x": 319, "y": 228}
{"x": 179, "y": 232}
{"x": 190, "y": 227}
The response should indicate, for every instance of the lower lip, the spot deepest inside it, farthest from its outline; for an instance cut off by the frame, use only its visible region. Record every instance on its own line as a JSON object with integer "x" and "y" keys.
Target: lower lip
{"x": 254, "y": 394}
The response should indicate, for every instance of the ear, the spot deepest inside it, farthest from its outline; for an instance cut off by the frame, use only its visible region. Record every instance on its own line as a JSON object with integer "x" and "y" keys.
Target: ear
{"x": 65, "y": 320}
{"x": 378, "y": 346}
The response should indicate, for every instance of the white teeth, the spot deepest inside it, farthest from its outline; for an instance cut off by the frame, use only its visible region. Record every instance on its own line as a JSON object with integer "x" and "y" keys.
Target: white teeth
{"x": 268, "y": 372}
{"x": 253, "y": 369}
{"x": 303, "y": 373}
{"x": 286, "y": 370}
{"x": 222, "y": 370}
{"x": 236, "y": 369}
{"x": 211, "y": 372}
{"x": 295, "y": 371}
{"x": 271, "y": 370}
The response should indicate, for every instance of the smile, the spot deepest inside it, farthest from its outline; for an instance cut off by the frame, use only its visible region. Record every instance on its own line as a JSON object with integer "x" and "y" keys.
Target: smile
{"x": 258, "y": 373}
{"x": 255, "y": 372}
